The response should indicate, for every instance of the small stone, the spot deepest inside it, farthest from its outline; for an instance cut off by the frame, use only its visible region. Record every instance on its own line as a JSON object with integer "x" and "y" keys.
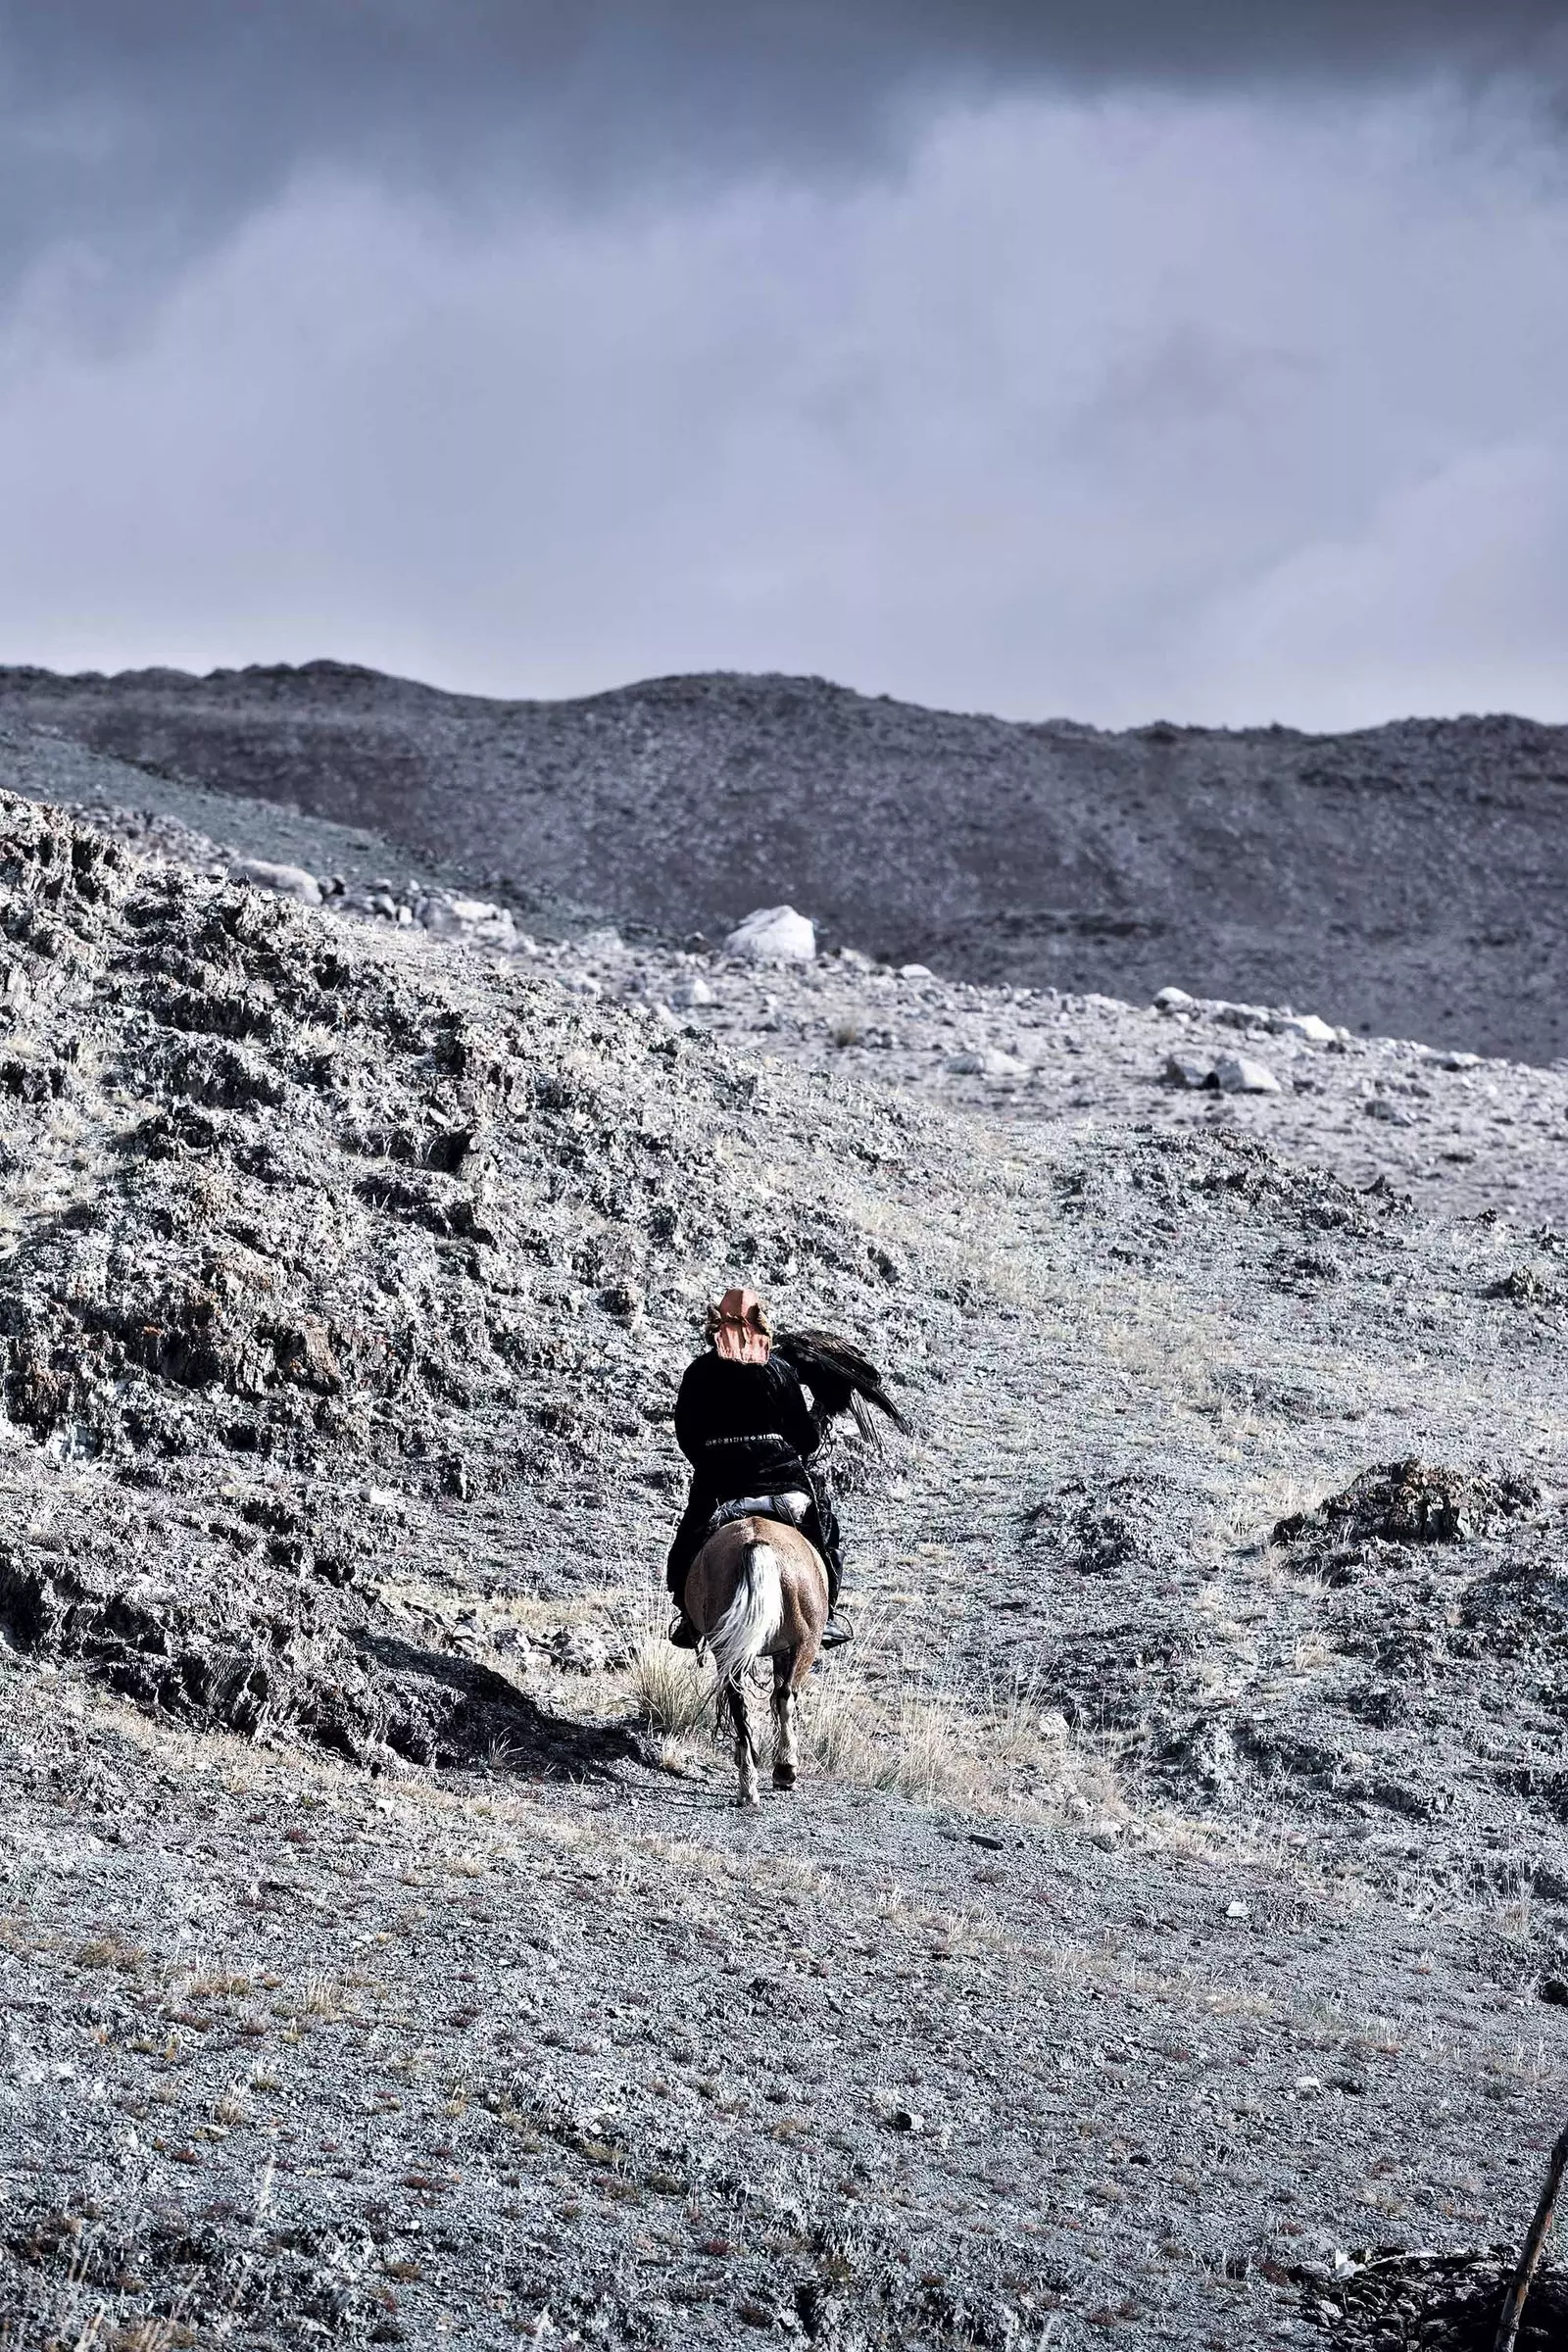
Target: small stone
{"x": 915, "y": 971}
{"x": 775, "y": 935}
{"x": 989, "y": 1062}
{"x": 1307, "y": 2086}
{"x": 1239, "y": 1074}
{"x": 688, "y": 994}
{"x": 1306, "y": 1025}
{"x": 1174, "y": 999}
{"x": 1190, "y": 1070}
{"x": 1238, "y": 1910}
{"x": 1457, "y": 1061}
{"x": 905, "y": 2119}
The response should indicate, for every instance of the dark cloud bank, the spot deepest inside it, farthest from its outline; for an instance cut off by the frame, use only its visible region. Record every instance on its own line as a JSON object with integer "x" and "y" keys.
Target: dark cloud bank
{"x": 1119, "y": 357}
{"x": 167, "y": 119}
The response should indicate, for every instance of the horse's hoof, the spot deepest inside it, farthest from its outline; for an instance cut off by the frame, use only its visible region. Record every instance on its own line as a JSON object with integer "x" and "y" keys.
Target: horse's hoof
{"x": 783, "y": 1776}
{"x": 747, "y": 1798}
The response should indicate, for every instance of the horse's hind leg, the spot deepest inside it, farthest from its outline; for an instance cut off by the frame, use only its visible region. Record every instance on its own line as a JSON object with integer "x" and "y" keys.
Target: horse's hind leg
{"x": 786, "y": 1756}
{"x": 745, "y": 1750}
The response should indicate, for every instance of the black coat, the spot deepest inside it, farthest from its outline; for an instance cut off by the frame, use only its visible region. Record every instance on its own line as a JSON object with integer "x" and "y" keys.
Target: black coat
{"x": 745, "y": 1428}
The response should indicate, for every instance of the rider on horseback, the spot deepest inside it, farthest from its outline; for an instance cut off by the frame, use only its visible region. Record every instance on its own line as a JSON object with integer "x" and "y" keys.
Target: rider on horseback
{"x": 743, "y": 1423}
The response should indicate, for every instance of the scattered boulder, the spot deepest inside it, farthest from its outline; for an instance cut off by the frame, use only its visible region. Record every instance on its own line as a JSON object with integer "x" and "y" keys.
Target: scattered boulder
{"x": 1238, "y": 1074}
{"x": 1224, "y": 1073}
{"x": 283, "y": 881}
{"x": 1308, "y": 1026}
{"x": 687, "y": 995}
{"x": 1412, "y": 1502}
{"x": 775, "y": 935}
{"x": 1525, "y": 1287}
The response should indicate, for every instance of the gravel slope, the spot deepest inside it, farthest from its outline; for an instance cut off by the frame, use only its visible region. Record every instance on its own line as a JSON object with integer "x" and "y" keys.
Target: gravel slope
{"x": 1174, "y": 1908}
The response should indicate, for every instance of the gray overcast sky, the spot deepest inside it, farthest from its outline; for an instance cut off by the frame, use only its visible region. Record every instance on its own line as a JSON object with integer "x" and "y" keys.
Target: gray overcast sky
{"x": 1111, "y": 358}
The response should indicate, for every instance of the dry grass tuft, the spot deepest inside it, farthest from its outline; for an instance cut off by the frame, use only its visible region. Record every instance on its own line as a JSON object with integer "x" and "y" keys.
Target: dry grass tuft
{"x": 670, "y": 1695}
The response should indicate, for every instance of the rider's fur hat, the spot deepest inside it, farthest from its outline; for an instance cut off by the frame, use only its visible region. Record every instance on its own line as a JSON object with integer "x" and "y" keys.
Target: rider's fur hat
{"x": 740, "y": 1327}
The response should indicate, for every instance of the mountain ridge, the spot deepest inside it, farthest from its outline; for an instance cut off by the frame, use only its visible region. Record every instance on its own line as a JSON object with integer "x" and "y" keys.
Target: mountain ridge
{"x": 1404, "y": 879}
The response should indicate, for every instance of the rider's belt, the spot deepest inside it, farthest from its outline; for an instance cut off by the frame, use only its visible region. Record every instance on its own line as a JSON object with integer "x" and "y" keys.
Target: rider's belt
{"x": 760, "y": 1437}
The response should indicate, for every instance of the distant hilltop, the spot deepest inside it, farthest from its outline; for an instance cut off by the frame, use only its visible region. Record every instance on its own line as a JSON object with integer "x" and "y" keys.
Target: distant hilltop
{"x": 1409, "y": 879}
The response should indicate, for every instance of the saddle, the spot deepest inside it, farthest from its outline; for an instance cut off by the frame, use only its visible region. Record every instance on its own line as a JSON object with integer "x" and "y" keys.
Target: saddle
{"x": 794, "y": 1508}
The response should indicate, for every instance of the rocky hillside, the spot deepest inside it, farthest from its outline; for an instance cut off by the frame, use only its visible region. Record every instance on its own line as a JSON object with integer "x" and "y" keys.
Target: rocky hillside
{"x": 1170, "y": 1937}
{"x": 1409, "y": 880}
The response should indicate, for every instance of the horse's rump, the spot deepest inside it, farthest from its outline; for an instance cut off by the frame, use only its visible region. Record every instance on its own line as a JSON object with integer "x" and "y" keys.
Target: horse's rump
{"x": 748, "y": 1625}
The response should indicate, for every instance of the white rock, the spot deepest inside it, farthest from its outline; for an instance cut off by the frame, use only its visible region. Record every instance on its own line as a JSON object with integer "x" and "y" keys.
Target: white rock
{"x": 915, "y": 971}
{"x": 1174, "y": 999}
{"x": 775, "y": 935}
{"x": 1237, "y": 1074}
{"x": 475, "y": 920}
{"x": 1238, "y": 1910}
{"x": 1307, "y": 1025}
{"x": 689, "y": 992}
{"x": 1190, "y": 1069}
{"x": 1459, "y": 1062}
{"x": 283, "y": 881}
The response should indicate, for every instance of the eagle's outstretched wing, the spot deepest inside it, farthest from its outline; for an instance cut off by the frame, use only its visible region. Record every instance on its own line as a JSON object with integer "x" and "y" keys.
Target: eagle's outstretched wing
{"x": 841, "y": 1378}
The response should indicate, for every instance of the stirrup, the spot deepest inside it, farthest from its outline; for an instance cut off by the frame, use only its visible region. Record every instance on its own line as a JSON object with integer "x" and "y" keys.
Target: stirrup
{"x": 836, "y": 1631}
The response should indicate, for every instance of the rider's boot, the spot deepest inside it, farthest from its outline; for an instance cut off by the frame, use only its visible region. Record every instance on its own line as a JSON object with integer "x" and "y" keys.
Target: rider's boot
{"x": 682, "y": 1633}
{"x": 838, "y": 1630}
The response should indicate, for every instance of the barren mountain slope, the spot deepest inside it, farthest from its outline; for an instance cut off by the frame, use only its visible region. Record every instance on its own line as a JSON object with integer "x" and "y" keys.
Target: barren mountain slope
{"x": 1408, "y": 880}
{"x": 1167, "y": 1907}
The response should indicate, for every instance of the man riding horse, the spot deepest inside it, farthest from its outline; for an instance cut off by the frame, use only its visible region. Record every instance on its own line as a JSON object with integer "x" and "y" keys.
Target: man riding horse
{"x": 744, "y": 1422}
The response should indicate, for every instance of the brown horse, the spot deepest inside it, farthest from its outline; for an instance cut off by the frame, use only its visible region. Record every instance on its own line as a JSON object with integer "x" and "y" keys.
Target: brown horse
{"x": 759, "y": 1589}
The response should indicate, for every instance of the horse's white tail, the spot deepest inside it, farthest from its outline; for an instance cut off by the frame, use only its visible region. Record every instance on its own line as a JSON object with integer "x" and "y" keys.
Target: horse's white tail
{"x": 753, "y": 1617}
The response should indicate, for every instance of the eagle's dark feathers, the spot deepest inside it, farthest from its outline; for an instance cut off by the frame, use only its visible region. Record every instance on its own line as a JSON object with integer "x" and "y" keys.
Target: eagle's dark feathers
{"x": 841, "y": 1378}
